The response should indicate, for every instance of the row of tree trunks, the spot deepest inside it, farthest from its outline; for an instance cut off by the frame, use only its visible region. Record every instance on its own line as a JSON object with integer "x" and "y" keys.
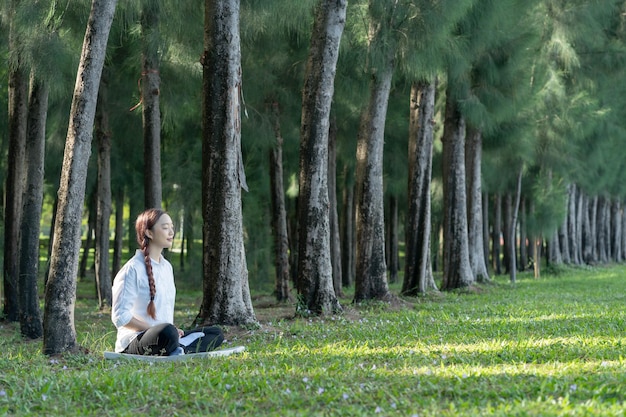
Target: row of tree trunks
{"x": 592, "y": 232}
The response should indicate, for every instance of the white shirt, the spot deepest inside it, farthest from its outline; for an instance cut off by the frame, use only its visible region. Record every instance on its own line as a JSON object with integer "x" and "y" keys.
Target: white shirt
{"x": 131, "y": 295}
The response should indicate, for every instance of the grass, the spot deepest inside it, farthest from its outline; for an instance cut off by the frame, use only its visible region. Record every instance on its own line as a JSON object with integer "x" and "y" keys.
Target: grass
{"x": 548, "y": 347}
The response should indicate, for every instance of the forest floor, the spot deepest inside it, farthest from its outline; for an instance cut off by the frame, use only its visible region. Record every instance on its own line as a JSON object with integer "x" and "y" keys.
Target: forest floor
{"x": 547, "y": 347}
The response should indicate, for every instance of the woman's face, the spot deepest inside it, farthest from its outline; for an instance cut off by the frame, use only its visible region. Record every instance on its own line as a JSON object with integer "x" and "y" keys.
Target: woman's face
{"x": 162, "y": 233}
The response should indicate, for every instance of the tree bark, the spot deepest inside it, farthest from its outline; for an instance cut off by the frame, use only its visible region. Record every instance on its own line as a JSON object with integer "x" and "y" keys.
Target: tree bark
{"x": 315, "y": 281}
{"x": 418, "y": 277}
{"x": 623, "y": 234}
{"x": 496, "y": 234}
{"x": 486, "y": 236}
{"x": 616, "y": 220}
{"x": 226, "y": 294}
{"x": 457, "y": 271}
{"x": 59, "y": 331}
{"x": 118, "y": 245}
{"x": 587, "y": 236}
{"x": 523, "y": 237}
{"x": 564, "y": 238}
{"x": 506, "y": 229}
{"x": 30, "y": 313}
{"x": 572, "y": 225}
{"x": 371, "y": 268}
{"x": 473, "y": 161}
{"x": 347, "y": 230}
{"x": 513, "y": 227}
{"x": 392, "y": 240}
{"x": 18, "y": 115}
{"x": 554, "y": 254}
{"x": 593, "y": 223}
{"x": 92, "y": 204}
{"x": 103, "y": 206}
{"x": 151, "y": 113}
{"x": 279, "y": 213}
{"x": 579, "y": 225}
{"x": 602, "y": 232}
{"x": 333, "y": 215}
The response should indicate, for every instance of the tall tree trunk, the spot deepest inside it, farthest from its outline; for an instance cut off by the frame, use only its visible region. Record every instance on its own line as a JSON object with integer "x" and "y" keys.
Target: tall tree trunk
{"x": 572, "y": 228}
{"x": 92, "y": 204}
{"x": 593, "y": 222}
{"x": 30, "y": 314}
{"x": 486, "y": 236}
{"x": 279, "y": 213}
{"x": 103, "y": 206}
{"x": 473, "y": 162}
{"x": 616, "y": 221}
{"x": 513, "y": 227}
{"x": 523, "y": 237}
{"x": 392, "y": 239}
{"x": 59, "y": 331}
{"x": 315, "y": 280}
{"x": 506, "y": 228}
{"x": 333, "y": 215}
{"x": 587, "y": 236}
{"x": 18, "y": 115}
{"x": 347, "y": 230}
{"x": 371, "y": 268}
{"x": 118, "y": 242}
{"x": 623, "y": 235}
{"x": 497, "y": 233}
{"x": 580, "y": 214}
{"x": 457, "y": 271}
{"x": 53, "y": 218}
{"x": 151, "y": 113}
{"x": 418, "y": 277}
{"x": 226, "y": 294}
{"x": 554, "y": 255}
{"x": 601, "y": 236}
{"x": 563, "y": 237}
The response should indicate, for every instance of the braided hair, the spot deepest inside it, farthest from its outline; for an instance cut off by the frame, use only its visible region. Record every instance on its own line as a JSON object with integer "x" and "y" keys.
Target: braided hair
{"x": 146, "y": 221}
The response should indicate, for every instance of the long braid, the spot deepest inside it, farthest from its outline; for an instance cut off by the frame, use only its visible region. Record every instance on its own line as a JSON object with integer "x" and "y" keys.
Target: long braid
{"x": 145, "y": 221}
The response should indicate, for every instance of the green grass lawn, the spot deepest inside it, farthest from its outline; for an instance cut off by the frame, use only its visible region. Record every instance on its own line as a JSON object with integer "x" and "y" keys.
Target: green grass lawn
{"x": 547, "y": 347}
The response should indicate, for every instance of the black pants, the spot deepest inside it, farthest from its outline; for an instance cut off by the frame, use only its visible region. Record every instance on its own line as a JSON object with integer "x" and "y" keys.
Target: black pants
{"x": 162, "y": 340}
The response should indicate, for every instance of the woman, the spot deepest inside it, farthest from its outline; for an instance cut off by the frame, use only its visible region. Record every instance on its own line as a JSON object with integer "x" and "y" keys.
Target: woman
{"x": 144, "y": 295}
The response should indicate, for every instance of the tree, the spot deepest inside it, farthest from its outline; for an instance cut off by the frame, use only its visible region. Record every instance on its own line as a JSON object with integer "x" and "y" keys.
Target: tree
{"x": 371, "y": 267}
{"x": 315, "y": 281}
{"x": 30, "y": 313}
{"x": 226, "y": 295}
{"x": 473, "y": 164}
{"x": 279, "y": 214}
{"x": 18, "y": 113}
{"x": 418, "y": 277}
{"x": 60, "y": 296}
{"x": 150, "y": 93}
{"x": 457, "y": 271}
{"x": 103, "y": 205}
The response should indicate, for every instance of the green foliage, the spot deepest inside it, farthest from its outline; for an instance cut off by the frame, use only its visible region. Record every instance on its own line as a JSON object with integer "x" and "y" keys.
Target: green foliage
{"x": 503, "y": 350}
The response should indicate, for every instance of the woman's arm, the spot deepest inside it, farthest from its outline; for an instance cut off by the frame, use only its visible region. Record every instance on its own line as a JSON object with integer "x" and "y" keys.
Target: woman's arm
{"x": 137, "y": 325}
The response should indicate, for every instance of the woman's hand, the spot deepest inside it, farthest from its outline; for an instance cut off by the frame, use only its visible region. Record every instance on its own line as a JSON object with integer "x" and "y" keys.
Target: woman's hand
{"x": 180, "y": 332}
